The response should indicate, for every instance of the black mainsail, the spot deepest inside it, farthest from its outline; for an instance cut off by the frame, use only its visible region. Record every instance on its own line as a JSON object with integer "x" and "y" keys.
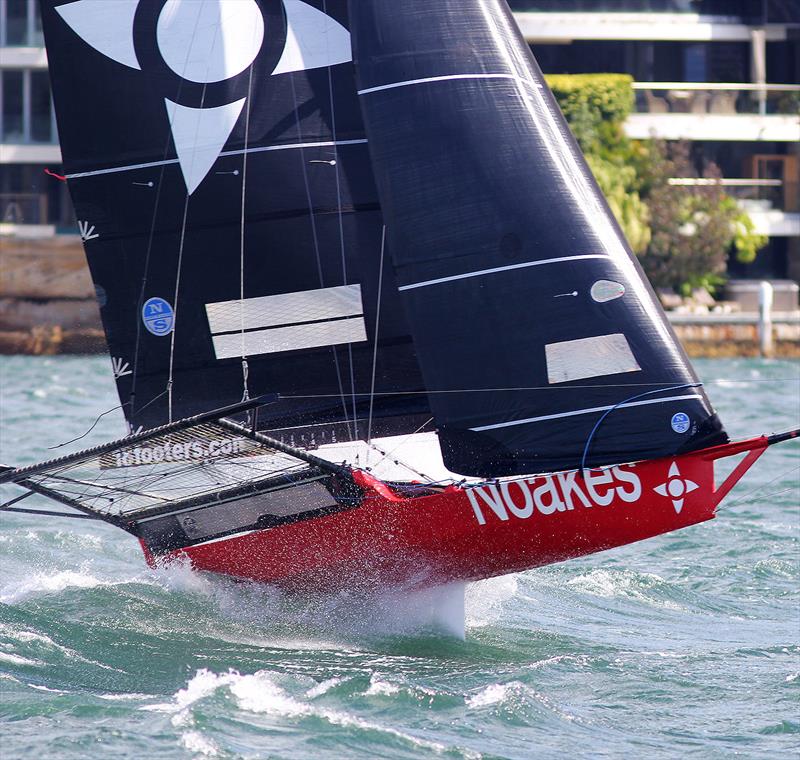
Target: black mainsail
{"x": 541, "y": 343}
{"x": 218, "y": 165}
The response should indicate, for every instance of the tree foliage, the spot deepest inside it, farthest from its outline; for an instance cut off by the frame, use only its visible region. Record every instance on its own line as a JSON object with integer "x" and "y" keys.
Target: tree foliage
{"x": 682, "y": 234}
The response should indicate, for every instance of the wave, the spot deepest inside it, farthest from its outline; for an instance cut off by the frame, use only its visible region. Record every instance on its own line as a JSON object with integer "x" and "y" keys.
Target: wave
{"x": 44, "y": 583}
{"x": 262, "y": 693}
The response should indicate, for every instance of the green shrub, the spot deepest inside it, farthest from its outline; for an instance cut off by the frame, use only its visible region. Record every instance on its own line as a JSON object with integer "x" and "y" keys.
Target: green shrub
{"x": 595, "y": 105}
{"x": 682, "y": 234}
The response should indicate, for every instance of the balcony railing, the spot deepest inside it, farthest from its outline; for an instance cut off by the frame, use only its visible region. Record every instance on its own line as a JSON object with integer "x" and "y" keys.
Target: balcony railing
{"x": 753, "y": 194}
{"x": 754, "y": 11}
{"x": 717, "y": 98}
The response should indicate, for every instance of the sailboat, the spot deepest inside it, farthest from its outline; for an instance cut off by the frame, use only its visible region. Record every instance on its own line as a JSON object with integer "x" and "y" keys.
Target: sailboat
{"x": 370, "y": 318}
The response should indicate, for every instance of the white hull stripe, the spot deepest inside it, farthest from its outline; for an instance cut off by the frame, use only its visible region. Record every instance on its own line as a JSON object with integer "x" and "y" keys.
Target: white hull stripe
{"x": 263, "y": 149}
{"x": 593, "y": 410}
{"x": 494, "y": 270}
{"x": 449, "y": 77}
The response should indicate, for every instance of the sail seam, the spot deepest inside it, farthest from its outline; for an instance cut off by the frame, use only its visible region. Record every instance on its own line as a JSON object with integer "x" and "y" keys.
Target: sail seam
{"x": 576, "y": 412}
{"x": 289, "y": 324}
{"x": 444, "y": 78}
{"x": 261, "y": 149}
{"x": 494, "y": 270}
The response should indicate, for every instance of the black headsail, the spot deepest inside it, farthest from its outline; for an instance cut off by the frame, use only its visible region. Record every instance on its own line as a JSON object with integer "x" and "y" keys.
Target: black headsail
{"x": 218, "y": 164}
{"x": 538, "y": 335}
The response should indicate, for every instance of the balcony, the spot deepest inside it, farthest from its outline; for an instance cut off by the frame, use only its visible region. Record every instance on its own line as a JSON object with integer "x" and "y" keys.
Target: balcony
{"x": 753, "y": 11}
{"x": 564, "y": 27}
{"x": 715, "y": 111}
{"x": 773, "y": 205}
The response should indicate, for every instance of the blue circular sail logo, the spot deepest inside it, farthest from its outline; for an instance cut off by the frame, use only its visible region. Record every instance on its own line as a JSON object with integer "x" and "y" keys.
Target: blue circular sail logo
{"x": 680, "y": 422}
{"x": 158, "y": 316}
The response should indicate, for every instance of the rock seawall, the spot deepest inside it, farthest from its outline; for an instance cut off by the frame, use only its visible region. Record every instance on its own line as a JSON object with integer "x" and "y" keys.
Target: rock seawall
{"x": 48, "y": 306}
{"x": 47, "y": 301}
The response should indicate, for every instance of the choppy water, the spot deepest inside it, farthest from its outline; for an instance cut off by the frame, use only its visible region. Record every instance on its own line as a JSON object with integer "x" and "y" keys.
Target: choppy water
{"x": 685, "y": 645}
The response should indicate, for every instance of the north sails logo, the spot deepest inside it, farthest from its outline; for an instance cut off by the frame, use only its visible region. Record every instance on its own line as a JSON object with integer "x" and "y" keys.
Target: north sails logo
{"x": 205, "y": 42}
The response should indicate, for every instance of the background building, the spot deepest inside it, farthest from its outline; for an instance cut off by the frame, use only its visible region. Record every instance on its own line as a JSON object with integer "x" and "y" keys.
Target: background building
{"x": 28, "y": 140}
{"x": 721, "y": 73}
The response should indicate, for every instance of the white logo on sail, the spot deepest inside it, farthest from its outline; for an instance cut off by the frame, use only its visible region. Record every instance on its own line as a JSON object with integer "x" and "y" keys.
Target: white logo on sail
{"x": 676, "y": 487}
{"x": 207, "y": 41}
{"x": 121, "y": 367}
{"x": 87, "y": 231}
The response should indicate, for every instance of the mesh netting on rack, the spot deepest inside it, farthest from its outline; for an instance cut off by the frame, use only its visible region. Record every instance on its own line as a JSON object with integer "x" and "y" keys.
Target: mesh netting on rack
{"x": 200, "y": 461}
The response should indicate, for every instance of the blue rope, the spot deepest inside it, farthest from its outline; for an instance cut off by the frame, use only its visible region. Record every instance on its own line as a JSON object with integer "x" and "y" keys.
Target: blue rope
{"x": 622, "y": 403}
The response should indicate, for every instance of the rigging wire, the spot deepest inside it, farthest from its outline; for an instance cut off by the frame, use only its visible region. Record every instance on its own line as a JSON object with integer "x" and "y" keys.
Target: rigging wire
{"x": 661, "y": 386}
{"x": 401, "y": 463}
{"x": 341, "y": 221}
{"x": 317, "y": 254}
{"x": 754, "y": 491}
{"x": 402, "y": 443}
{"x": 375, "y": 347}
{"x": 183, "y": 242}
{"x": 626, "y": 401}
{"x": 150, "y": 240}
{"x": 89, "y": 430}
{"x": 245, "y": 365}
{"x": 175, "y": 307}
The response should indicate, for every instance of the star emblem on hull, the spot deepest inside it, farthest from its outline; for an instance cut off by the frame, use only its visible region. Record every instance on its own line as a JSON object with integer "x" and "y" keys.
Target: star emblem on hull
{"x": 676, "y": 487}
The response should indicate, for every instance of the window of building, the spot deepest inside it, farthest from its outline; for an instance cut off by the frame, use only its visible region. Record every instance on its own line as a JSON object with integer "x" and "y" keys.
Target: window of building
{"x": 12, "y": 93}
{"x": 26, "y": 115}
{"x": 20, "y": 23}
{"x": 41, "y": 115}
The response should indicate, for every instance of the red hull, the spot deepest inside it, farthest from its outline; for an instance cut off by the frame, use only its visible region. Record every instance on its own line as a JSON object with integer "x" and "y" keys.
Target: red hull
{"x": 469, "y": 534}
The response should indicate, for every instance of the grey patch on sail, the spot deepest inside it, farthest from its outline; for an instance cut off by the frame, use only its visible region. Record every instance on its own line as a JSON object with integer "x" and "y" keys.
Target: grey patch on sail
{"x": 287, "y": 322}
{"x": 589, "y": 357}
{"x": 607, "y": 290}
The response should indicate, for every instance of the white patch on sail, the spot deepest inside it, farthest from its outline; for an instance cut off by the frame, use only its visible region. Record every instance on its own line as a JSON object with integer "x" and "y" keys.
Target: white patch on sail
{"x": 287, "y": 322}
{"x": 209, "y": 41}
{"x": 313, "y": 40}
{"x": 200, "y": 135}
{"x": 107, "y": 27}
{"x": 285, "y": 309}
{"x": 589, "y": 357}
{"x": 290, "y": 338}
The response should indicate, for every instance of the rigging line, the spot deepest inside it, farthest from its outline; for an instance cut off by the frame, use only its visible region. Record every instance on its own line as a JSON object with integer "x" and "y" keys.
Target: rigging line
{"x": 143, "y": 289}
{"x": 183, "y": 231}
{"x": 398, "y": 461}
{"x": 755, "y": 490}
{"x": 315, "y": 239}
{"x": 375, "y": 347}
{"x": 22, "y": 510}
{"x": 402, "y": 443}
{"x": 175, "y": 307}
{"x": 150, "y": 239}
{"x": 627, "y": 401}
{"x": 97, "y": 419}
{"x": 340, "y": 219}
{"x": 245, "y": 366}
{"x": 664, "y": 386}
